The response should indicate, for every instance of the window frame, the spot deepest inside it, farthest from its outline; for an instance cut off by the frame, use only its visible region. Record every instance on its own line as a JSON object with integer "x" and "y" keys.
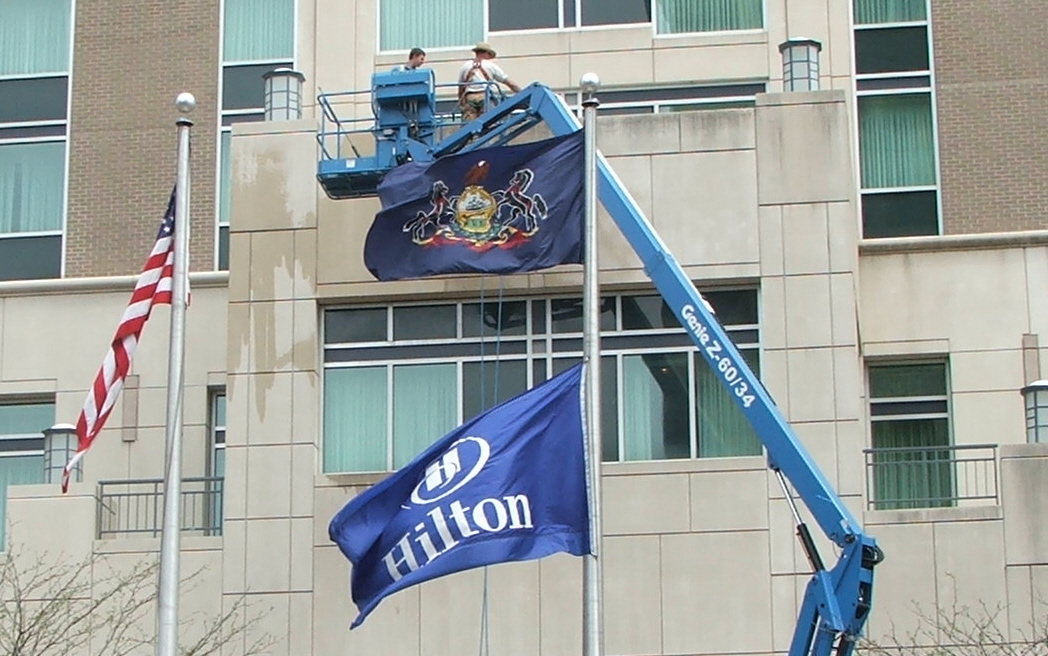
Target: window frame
{"x": 21, "y": 453}
{"x": 226, "y": 119}
{"x": 63, "y": 138}
{"x": 561, "y": 26}
{"x": 535, "y": 346}
{"x": 946, "y": 399}
{"x": 904, "y": 85}
{"x": 214, "y": 427}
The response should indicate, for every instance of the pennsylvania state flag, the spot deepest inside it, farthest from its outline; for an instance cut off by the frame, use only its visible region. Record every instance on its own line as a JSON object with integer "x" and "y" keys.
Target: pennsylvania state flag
{"x": 510, "y": 484}
{"x": 505, "y": 209}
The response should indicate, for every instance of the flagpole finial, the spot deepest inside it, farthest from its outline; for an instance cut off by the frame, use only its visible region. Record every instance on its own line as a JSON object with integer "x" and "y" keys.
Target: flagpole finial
{"x": 589, "y": 82}
{"x": 185, "y": 103}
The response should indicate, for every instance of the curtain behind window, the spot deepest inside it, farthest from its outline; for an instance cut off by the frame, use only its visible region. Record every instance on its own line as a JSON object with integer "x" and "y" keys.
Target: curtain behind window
{"x": 31, "y": 187}
{"x": 676, "y": 16}
{"x": 258, "y": 29}
{"x": 888, "y": 11}
{"x": 896, "y": 141}
{"x": 425, "y": 400}
{"x": 17, "y": 470}
{"x": 355, "y": 420}
{"x": 723, "y": 428}
{"x": 405, "y": 24}
{"x": 34, "y": 36}
{"x": 915, "y": 478}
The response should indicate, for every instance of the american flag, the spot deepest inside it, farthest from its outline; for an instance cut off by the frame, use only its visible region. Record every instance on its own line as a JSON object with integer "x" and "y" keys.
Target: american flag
{"x": 153, "y": 288}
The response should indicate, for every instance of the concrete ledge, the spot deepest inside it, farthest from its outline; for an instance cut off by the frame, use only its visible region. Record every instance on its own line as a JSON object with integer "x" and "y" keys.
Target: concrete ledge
{"x": 932, "y": 515}
{"x": 982, "y": 241}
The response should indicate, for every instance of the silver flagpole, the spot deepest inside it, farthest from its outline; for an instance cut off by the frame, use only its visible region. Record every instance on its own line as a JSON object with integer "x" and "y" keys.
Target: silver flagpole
{"x": 592, "y": 620}
{"x": 170, "y": 536}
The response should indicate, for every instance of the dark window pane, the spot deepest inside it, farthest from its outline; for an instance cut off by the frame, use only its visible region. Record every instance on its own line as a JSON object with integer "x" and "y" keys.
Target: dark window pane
{"x": 656, "y": 406}
{"x": 347, "y": 326}
{"x": 31, "y": 258}
{"x": 647, "y": 312}
{"x": 223, "y": 248}
{"x": 242, "y": 86}
{"x": 892, "y": 381}
{"x": 569, "y": 13}
{"x": 538, "y": 317}
{"x": 878, "y": 84}
{"x": 626, "y": 111}
{"x": 567, "y": 314}
{"x": 888, "y": 50}
{"x": 230, "y": 119}
{"x": 517, "y": 15}
{"x": 22, "y": 444}
{"x": 604, "y": 12}
{"x": 32, "y": 131}
{"x": 424, "y": 322}
{"x": 486, "y": 384}
{"x": 900, "y": 214}
{"x": 734, "y": 307}
{"x": 492, "y": 318}
{"x": 34, "y": 99}
{"x": 681, "y": 93}
{"x": 887, "y": 409}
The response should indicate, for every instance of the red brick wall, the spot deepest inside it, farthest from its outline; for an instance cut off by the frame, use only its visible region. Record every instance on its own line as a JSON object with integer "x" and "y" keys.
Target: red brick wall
{"x": 991, "y": 76}
{"x": 130, "y": 61}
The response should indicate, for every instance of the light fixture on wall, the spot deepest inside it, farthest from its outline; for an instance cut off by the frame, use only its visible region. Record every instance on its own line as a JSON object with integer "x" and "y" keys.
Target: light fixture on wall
{"x": 800, "y": 64}
{"x": 60, "y": 444}
{"x": 1035, "y": 400}
{"x": 282, "y": 100}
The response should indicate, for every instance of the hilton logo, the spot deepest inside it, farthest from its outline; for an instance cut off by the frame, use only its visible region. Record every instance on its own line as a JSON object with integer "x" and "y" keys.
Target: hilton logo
{"x": 445, "y": 526}
{"x": 446, "y": 474}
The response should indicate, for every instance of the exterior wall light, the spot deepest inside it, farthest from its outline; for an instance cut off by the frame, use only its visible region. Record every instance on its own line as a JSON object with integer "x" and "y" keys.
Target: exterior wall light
{"x": 1035, "y": 397}
{"x": 60, "y": 444}
{"x": 800, "y": 64}
{"x": 283, "y": 94}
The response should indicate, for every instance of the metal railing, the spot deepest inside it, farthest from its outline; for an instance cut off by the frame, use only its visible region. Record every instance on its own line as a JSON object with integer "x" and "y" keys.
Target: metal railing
{"x": 135, "y": 507}
{"x": 931, "y": 476}
{"x": 351, "y": 136}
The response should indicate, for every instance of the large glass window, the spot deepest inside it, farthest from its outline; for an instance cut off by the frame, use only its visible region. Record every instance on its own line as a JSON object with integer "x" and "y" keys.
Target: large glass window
{"x": 910, "y": 434}
{"x": 405, "y": 24}
{"x": 258, "y": 36}
{"x": 217, "y": 429}
{"x": 677, "y": 16}
{"x": 897, "y": 146}
{"x": 34, "y": 92}
{"x": 21, "y": 448}
{"x": 397, "y": 378}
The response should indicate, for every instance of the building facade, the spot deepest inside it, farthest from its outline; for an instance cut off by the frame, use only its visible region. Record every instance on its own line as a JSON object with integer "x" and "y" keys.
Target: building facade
{"x": 877, "y": 249}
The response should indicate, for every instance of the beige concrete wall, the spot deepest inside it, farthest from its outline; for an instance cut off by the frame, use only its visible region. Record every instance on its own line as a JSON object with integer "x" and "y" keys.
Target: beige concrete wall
{"x": 972, "y": 303}
{"x": 52, "y": 341}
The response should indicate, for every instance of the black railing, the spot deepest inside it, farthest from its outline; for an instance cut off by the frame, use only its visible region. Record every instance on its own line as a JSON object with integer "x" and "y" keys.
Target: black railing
{"x": 931, "y": 476}
{"x": 135, "y": 507}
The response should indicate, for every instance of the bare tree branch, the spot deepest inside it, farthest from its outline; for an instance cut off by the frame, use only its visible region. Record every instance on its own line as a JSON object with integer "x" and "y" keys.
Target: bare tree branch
{"x": 55, "y": 606}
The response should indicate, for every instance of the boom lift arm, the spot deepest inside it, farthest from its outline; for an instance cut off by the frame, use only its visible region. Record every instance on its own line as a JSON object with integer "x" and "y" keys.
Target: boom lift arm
{"x": 836, "y": 601}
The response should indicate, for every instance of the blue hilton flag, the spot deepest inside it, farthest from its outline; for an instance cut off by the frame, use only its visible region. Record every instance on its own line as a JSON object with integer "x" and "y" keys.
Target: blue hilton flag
{"x": 507, "y": 485}
{"x": 493, "y": 210}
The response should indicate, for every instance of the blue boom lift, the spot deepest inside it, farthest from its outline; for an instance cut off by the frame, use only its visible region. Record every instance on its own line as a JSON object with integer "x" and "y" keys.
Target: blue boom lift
{"x": 407, "y": 126}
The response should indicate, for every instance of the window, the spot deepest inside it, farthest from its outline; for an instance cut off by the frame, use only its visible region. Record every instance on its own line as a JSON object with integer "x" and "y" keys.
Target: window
{"x": 34, "y": 92}
{"x": 217, "y": 435}
{"x": 910, "y": 433}
{"x": 897, "y": 147}
{"x": 397, "y": 378}
{"x": 258, "y": 36}
{"x": 21, "y": 448}
{"x": 673, "y": 99}
{"x": 458, "y": 23}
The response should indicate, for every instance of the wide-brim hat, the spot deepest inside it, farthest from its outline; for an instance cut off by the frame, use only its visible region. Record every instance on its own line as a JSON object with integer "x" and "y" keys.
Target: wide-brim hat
{"x": 484, "y": 46}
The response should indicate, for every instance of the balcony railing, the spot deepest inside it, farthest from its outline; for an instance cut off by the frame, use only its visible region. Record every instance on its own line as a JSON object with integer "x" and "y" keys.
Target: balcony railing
{"x": 931, "y": 476}
{"x": 136, "y": 507}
